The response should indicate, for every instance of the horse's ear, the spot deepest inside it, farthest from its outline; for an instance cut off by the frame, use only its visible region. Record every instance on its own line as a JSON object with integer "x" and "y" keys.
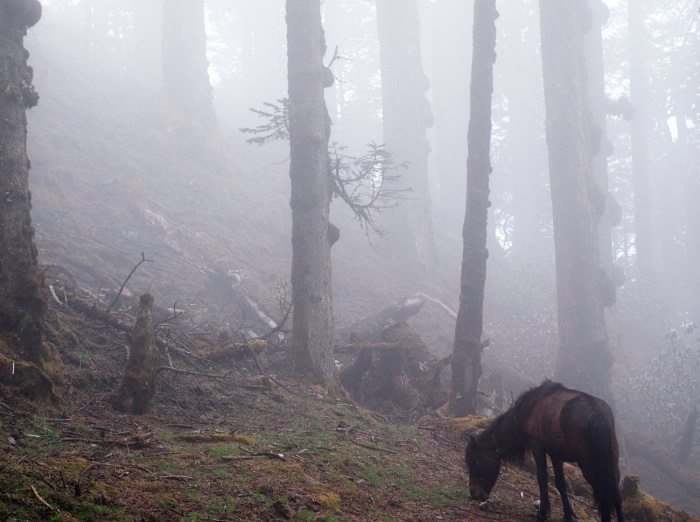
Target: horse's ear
{"x": 472, "y": 439}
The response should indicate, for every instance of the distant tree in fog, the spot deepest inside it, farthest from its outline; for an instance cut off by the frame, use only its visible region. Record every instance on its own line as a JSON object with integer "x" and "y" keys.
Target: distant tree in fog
{"x": 146, "y": 50}
{"x": 309, "y": 132}
{"x": 640, "y": 127}
{"x": 584, "y": 359}
{"x": 407, "y": 115}
{"x": 23, "y": 301}
{"x": 466, "y": 353}
{"x": 186, "y": 83}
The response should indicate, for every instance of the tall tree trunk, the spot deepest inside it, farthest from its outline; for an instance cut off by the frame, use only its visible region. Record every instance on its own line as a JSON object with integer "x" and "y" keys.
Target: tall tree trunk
{"x": 639, "y": 130}
{"x": 578, "y": 202}
{"x": 593, "y": 51}
{"x": 23, "y": 301}
{"x": 186, "y": 82}
{"x": 466, "y": 354}
{"x": 309, "y": 131}
{"x": 406, "y": 116}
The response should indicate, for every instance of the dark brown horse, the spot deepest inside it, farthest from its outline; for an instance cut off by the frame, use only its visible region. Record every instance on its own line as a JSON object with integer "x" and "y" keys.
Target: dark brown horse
{"x": 567, "y": 425}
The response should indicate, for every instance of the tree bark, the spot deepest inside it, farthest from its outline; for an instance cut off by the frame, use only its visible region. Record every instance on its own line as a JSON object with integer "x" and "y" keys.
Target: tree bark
{"x": 466, "y": 353}
{"x": 309, "y": 131}
{"x": 138, "y": 386}
{"x": 578, "y": 202}
{"x": 406, "y": 117}
{"x": 186, "y": 82}
{"x": 23, "y": 299}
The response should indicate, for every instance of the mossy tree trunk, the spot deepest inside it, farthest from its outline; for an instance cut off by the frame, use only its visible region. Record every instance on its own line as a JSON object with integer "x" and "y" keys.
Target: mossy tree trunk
{"x": 406, "y": 117}
{"x": 23, "y": 302}
{"x": 584, "y": 359}
{"x": 138, "y": 386}
{"x": 309, "y": 131}
{"x": 466, "y": 352}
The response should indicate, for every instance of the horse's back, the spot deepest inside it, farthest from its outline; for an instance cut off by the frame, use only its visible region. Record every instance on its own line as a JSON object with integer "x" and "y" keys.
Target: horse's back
{"x": 560, "y": 422}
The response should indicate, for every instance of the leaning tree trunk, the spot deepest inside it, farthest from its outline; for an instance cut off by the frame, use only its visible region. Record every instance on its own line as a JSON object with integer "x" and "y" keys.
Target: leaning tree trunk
{"x": 406, "y": 117}
{"x": 138, "y": 386}
{"x": 186, "y": 82}
{"x": 584, "y": 359}
{"x": 309, "y": 131}
{"x": 23, "y": 301}
{"x": 466, "y": 353}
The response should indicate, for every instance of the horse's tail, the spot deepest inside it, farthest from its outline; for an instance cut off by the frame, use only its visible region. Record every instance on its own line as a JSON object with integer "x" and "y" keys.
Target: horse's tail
{"x": 602, "y": 443}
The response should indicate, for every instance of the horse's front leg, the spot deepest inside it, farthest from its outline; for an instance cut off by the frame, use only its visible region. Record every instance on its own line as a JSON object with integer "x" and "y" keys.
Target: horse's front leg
{"x": 542, "y": 480}
{"x": 560, "y": 482}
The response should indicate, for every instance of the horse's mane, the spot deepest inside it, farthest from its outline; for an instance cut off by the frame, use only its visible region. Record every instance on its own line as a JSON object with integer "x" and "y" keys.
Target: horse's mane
{"x": 516, "y": 449}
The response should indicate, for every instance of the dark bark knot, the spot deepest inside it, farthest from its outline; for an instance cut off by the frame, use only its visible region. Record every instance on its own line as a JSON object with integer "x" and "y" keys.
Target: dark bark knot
{"x": 28, "y": 12}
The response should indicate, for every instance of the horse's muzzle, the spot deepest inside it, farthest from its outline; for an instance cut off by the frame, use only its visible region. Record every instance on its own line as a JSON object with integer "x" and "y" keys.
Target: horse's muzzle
{"x": 478, "y": 494}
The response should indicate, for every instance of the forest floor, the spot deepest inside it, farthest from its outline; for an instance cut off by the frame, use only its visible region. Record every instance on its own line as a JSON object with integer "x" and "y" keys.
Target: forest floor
{"x": 231, "y": 447}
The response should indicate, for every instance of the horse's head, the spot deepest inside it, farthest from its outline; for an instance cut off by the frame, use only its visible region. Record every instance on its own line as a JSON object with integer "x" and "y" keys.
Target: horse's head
{"x": 484, "y": 464}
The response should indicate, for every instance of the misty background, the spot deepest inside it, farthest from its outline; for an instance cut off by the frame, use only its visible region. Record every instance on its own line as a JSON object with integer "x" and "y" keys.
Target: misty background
{"x": 119, "y": 169}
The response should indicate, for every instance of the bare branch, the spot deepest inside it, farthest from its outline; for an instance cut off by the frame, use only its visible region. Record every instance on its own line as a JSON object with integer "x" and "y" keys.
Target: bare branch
{"x": 143, "y": 260}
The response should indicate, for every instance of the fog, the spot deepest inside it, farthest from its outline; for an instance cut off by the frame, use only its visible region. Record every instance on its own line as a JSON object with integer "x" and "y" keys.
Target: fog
{"x": 124, "y": 163}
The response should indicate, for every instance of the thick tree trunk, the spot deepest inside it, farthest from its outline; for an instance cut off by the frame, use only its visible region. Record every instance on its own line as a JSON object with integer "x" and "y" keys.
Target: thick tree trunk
{"x": 406, "y": 117}
{"x": 22, "y": 296}
{"x": 138, "y": 386}
{"x": 578, "y": 202}
{"x": 466, "y": 353}
{"x": 309, "y": 131}
{"x": 186, "y": 82}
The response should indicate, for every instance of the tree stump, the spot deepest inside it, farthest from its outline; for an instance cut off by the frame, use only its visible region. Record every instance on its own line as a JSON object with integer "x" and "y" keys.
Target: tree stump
{"x": 137, "y": 387}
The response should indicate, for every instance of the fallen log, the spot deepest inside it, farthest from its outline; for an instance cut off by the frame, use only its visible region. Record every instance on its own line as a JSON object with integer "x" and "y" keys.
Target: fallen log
{"x": 639, "y": 444}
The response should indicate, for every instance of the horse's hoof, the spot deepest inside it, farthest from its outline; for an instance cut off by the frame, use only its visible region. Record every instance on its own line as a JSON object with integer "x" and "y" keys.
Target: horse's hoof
{"x": 541, "y": 516}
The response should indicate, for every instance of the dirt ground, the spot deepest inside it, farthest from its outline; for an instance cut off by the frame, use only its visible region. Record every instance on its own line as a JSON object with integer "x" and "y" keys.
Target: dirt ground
{"x": 225, "y": 443}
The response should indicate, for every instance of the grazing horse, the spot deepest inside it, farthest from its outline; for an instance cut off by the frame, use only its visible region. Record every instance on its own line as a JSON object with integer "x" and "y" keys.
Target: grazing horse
{"x": 567, "y": 425}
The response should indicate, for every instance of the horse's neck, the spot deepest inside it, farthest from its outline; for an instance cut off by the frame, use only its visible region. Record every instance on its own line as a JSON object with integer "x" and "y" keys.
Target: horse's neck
{"x": 508, "y": 435}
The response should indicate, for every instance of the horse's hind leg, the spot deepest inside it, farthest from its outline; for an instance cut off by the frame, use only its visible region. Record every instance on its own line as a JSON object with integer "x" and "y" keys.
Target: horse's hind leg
{"x": 542, "y": 480}
{"x": 560, "y": 483}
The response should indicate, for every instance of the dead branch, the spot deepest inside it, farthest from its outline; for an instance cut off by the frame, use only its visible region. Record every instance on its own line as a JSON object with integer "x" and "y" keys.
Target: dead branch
{"x": 43, "y": 501}
{"x": 449, "y": 311}
{"x": 367, "y": 446}
{"x": 143, "y": 260}
{"x": 260, "y": 369}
